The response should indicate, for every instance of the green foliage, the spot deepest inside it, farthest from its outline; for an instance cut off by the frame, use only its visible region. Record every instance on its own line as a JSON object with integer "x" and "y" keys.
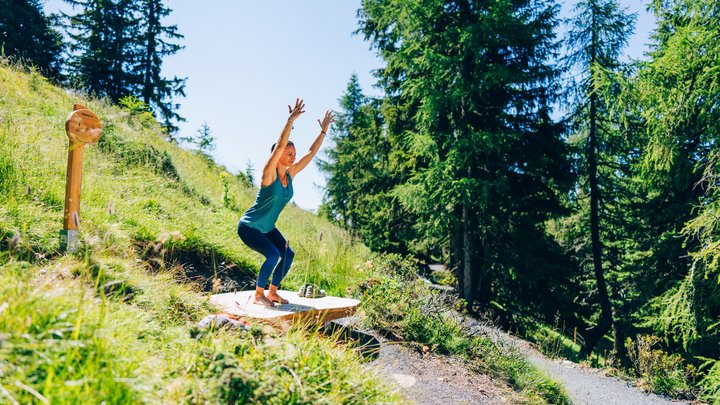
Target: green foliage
{"x": 203, "y": 140}
{"x": 27, "y": 35}
{"x": 247, "y": 177}
{"x": 114, "y": 321}
{"x": 461, "y": 145}
{"x": 137, "y": 108}
{"x": 711, "y": 383}
{"x": 362, "y": 167}
{"x": 663, "y": 372}
{"x": 117, "y": 48}
{"x": 554, "y": 344}
{"x": 598, "y": 33}
{"x": 670, "y": 103}
{"x": 674, "y": 314}
{"x": 398, "y": 304}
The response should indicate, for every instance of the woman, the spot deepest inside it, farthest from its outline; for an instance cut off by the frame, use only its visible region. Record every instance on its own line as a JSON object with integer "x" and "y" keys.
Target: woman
{"x": 257, "y": 226}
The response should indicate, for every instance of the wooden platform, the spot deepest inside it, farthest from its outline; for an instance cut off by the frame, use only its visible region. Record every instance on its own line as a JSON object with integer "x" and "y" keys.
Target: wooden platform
{"x": 323, "y": 309}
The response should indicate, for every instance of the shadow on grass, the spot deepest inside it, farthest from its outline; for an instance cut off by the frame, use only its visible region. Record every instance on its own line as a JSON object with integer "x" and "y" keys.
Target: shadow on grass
{"x": 206, "y": 267}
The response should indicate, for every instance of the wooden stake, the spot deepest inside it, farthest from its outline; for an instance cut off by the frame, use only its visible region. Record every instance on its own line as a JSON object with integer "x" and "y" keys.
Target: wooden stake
{"x": 82, "y": 127}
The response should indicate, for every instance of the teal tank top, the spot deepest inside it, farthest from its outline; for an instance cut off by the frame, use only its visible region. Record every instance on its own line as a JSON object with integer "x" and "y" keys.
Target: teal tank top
{"x": 269, "y": 202}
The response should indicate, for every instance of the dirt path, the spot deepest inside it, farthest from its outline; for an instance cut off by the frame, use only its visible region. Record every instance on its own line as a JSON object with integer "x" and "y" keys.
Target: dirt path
{"x": 585, "y": 386}
{"x": 430, "y": 379}
{"x": 427, "y": 379}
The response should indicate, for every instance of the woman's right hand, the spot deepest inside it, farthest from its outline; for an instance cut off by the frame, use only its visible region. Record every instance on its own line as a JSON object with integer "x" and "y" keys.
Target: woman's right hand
{"x": 296, "y": 111}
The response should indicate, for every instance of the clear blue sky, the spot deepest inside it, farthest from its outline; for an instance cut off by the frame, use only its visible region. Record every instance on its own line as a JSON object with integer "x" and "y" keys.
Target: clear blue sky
{"x": 247, "y": 60}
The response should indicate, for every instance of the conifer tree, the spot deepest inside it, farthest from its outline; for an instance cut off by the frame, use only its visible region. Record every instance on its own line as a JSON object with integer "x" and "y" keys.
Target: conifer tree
{"x": 472, "y": 85}
{"x": 27, "y": 34}
{"x": 156, "y": 90}
{"x": 117, "y": 50}
{"x": 598, "y": 33}
{"x": 361, "y": 175}
{"x": 104, "y": 51}
{"x": 676, "y": 96}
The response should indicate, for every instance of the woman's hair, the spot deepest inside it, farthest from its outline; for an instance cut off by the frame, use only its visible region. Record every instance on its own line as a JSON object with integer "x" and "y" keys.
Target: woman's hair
{"x": 272, "y": 148}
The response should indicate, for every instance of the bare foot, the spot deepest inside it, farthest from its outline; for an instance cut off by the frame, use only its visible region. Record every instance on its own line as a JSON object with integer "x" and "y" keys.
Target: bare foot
{"x": 276, "y": 298}
{"x": 261, "y": 300}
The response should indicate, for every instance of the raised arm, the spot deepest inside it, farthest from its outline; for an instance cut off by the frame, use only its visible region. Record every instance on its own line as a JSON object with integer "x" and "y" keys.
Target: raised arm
{"x": 268, "y": 175}
{"x": 328, "y": 119}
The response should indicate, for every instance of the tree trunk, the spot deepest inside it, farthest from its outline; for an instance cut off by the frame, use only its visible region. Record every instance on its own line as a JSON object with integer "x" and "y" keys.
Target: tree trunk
{"x": 595, "y": 333}
{"x": 621, "y": 357}
{"x": 456, "y": 253}
{"x": 468, "y": 273}
{"x": 481, "y": 254}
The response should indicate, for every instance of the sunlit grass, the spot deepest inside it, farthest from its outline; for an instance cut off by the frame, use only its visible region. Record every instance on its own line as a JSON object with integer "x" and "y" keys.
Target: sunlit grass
{"x": 64, "y": 337}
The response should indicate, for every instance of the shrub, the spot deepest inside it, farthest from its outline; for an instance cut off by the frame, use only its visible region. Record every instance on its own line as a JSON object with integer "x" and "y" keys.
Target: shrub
{"x": 711, "y": 383}
{"x": 663, "y": 372}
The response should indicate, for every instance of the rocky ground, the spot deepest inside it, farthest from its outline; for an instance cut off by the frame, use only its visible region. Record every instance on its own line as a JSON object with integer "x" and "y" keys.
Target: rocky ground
{"x": 431, "y": 379}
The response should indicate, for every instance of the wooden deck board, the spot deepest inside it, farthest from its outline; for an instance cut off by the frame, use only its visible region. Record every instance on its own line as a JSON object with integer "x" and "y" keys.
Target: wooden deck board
{"x": 323, "y": 309}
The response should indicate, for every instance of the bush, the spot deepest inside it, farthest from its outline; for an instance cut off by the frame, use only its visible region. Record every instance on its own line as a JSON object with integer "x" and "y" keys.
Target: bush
{"x": 663, "y": 372}
{"x": 711, "y": 383}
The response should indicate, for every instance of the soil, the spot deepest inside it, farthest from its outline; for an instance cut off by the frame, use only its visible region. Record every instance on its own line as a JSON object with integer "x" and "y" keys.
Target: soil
{"x": 427, "y": 379}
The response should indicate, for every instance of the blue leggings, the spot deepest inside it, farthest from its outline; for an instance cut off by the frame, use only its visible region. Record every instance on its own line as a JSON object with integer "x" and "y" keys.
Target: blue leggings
{"x": 274, "y": 247}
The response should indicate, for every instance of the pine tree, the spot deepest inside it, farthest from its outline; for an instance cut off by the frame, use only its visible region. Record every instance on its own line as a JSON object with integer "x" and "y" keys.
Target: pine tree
{"x": 598, "y": 33}
{"x": 361, "y": 175}
{"x": 470, "y": 86}
{"x": 104, "y": 51}
{"x": 155, "y": 90}
{"x": 339, "y": 162}
{"x": 26, "y": 34}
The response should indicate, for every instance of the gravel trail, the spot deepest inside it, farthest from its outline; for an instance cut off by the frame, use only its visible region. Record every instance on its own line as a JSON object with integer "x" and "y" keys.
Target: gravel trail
{"x": 585, "y": 386}
{"x": 424, "y": 378}
{"x": 427, "y": 379}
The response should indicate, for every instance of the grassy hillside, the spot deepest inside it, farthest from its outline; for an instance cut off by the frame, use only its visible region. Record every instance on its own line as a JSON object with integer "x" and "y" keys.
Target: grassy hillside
{"x": 160, "y": 221}
{"x": 115, "y": 322}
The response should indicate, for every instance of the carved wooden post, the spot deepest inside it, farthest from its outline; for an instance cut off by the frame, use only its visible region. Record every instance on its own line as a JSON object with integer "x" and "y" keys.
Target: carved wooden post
{"x": 82, "y": 127}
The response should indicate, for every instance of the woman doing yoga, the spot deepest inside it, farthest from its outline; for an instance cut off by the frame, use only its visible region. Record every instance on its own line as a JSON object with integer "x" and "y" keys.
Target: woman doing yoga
{"x": 257, "y": 226}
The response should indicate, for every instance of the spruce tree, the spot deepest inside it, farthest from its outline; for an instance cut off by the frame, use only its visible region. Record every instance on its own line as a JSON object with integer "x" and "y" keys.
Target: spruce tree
{"x": 472, "y": 87}
{"x": 598, "y": 33}
{"x": 156, "y": 90}
{"x": 27, "y": 35}
{"x": 104, "y": 51}
{"x": 117, "y": 50}
{"x": 362, "y": 170}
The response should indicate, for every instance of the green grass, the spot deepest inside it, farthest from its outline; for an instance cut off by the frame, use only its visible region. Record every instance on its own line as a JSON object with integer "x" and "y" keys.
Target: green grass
{"x": 149, "y": 210}
{"x": 69, "y": 342}
{"x": 153, "y": 216}
{"x": 402, "y": 307}
{"x": 552, "y": 342}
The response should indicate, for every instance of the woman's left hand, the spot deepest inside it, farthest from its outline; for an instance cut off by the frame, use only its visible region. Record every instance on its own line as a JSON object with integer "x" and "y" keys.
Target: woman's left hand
{"x": 328, "y": 119}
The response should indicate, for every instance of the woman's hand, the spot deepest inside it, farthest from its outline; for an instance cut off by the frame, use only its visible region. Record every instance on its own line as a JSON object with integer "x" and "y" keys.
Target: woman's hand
{"x": 328, "y": 119}
{"x": 296, "y": 111}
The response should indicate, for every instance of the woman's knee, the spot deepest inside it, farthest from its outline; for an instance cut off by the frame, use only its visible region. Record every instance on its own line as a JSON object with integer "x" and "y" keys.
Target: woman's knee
{"x": 272, "y": 254}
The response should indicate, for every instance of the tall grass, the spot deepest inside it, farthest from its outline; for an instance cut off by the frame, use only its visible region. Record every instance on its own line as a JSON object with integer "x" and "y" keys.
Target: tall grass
{"x": 111, "y": 322}
{"x": 68, "y": 341}
{"x": 138, "y": 187}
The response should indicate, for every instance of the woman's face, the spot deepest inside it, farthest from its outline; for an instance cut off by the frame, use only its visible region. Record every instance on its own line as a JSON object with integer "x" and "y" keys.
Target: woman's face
{"x": 288, "y": 156}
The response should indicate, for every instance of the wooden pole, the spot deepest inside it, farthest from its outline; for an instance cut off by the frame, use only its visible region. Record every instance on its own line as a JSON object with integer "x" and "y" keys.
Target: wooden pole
{"x": 73, "y": 184}
{"x": 82, "y": 127}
